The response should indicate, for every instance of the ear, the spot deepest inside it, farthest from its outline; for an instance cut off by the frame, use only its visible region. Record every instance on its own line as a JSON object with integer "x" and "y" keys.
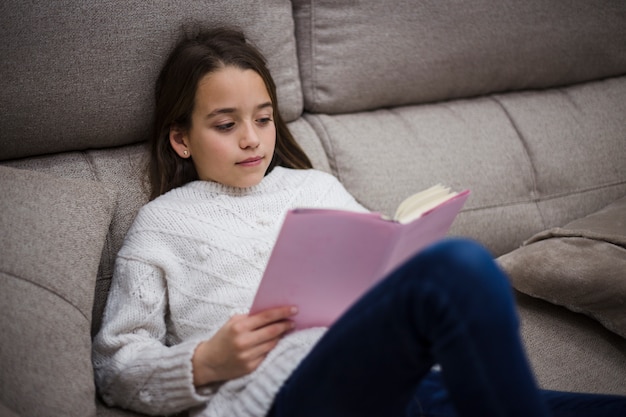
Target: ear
{"x": 178, "y": 141}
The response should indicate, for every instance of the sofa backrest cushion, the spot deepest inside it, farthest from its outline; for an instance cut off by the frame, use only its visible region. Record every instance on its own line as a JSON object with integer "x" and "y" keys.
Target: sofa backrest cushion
{"x": 366, "y": 54}
{"x": 78, "y": 74}
{"x": 532, "y": 159}
{"x": 53, "y": 232}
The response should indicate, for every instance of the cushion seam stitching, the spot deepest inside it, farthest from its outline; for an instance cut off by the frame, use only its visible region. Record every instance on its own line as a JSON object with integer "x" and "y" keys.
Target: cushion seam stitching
{"x": 49, "y": 291}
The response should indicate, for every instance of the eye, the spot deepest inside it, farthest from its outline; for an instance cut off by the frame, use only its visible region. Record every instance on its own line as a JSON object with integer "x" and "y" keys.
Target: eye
{"x": 264, "y": 120}
{"x": 225, "y": 127}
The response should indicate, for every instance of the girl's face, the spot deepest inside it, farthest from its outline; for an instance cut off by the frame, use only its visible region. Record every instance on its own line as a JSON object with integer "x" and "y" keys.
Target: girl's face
{"x": 232, "y": 136}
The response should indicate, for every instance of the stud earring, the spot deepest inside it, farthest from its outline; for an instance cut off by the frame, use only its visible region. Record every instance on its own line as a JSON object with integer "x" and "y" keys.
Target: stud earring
{"x": 185, "y": 153}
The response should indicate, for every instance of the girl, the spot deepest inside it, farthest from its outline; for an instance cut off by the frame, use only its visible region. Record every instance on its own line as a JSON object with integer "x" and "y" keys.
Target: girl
{"x": 176, "y": 335}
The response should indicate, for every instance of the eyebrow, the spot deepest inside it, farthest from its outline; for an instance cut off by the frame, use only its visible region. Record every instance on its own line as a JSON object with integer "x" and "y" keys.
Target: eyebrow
{"x": 229, "y": 110}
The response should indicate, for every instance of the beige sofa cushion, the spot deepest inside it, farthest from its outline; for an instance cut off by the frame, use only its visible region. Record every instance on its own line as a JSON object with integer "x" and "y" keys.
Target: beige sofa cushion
{"x": 368, "y": 54}
{"x": 78, "y": 74}
{"x": 52, "y": 236}
{"x": 581, "y": 266}
{"x": 532, "y": 159}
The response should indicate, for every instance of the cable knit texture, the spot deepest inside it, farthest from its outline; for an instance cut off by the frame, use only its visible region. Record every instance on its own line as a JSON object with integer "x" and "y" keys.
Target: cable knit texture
{"x": 193, "y": 258}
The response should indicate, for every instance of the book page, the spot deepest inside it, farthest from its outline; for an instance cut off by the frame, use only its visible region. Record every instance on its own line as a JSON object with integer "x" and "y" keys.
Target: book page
{"x": 414, "y": 206}
{"x": 425, "y": 230}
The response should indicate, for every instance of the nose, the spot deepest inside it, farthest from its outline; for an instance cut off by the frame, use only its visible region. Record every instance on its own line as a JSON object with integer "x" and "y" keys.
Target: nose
{"x": 249, "y": 137}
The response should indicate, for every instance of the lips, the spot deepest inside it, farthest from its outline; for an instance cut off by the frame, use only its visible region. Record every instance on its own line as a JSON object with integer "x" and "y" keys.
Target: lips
{"x": 252, "y": 161}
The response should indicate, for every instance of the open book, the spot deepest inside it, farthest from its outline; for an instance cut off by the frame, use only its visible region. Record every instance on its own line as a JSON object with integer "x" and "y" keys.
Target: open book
{"x": 325, "y": 259}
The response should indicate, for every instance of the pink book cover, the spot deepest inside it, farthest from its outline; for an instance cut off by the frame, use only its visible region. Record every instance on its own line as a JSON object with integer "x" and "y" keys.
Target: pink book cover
{"x": 325, "y": 259}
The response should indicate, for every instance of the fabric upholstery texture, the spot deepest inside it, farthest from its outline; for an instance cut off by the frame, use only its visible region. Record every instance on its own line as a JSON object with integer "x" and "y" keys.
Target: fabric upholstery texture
{"x": 306, "y": 137}
{"x": 6, "y": 412}
{"x": 575, "y": 132}
{"x": 571, "y": 351}
{"x": 105, "y": 411}
{"x": 120, "y": 168}
{"x": 83, "y": 73}
{"x": 532, "y": 160}
{"x": 53, "y": 231}
{"x": 581, "y": 266}
{"x": 363, "y": 55}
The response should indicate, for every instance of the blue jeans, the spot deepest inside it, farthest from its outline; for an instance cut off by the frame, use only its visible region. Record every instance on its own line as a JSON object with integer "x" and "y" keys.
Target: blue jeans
{"x": 431, "y": 400}
{"x": 450, "y": 305}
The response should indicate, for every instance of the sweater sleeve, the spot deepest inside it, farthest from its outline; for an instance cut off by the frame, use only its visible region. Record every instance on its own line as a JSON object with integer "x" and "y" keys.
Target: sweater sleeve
{"x": 134, "y": 368}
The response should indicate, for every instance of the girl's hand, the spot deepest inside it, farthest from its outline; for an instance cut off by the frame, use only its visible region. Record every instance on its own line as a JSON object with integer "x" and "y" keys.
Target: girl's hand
{"x": 240, "y": 346}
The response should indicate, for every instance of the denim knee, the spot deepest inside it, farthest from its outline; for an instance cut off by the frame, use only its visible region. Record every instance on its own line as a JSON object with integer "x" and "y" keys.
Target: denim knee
{"x": 455, "y": 258}
{"x": 458, "y": 252}
{"x": 465, "y": 271}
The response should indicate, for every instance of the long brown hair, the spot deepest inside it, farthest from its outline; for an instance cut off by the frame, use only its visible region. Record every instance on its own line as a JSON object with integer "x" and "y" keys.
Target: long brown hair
{"x": 197, "y": 55}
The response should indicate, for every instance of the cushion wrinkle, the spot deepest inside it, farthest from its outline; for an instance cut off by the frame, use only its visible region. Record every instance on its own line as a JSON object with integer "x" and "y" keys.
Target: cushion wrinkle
{"x": 534, "y": 192}
{"x": 580, "y": 266}
{"x": 318, "y": 126}
{"x": 51, "y": 291}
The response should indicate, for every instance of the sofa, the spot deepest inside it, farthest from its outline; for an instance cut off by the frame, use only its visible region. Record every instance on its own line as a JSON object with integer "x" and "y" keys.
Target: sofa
{"x": 523, "y": 103}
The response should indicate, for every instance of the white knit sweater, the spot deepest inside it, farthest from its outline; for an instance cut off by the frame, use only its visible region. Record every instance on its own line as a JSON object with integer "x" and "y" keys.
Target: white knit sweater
{"x": 192, "y": 259}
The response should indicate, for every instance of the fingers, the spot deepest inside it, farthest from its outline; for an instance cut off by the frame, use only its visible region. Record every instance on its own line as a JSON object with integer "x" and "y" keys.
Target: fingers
{"x": 240, "y": 346}
{"x": 268, "y": 316}
{"x": 254, "y": 356}
{"x": 246, "y": 339}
